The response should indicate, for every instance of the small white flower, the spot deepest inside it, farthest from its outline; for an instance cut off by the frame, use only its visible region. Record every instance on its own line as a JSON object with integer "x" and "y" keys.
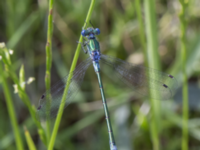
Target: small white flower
{"x": 2, "y": 45}
{"x": 31, "y": 79}
{"x": 15, "y": 88}
{"x": 11, "y": 51}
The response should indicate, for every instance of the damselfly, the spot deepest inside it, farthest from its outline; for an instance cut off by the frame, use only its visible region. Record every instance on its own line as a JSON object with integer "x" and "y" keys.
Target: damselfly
{"x": 139, "y": 78}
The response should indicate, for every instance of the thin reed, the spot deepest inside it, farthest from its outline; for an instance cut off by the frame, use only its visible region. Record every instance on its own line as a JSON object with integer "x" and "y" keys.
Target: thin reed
{"x": 183, "y": 27}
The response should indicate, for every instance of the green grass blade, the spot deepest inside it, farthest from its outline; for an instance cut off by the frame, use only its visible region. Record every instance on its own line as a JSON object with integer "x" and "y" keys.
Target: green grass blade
{"x": 29, "y": 140}
{"x": 61, "y": 108}
{"x": 11, "y": 110}
{"x": 141, "y": 28}
{"x": 183, "y": 25}
{"x": 49, "y": 59}
{"x": 153, "y": 62}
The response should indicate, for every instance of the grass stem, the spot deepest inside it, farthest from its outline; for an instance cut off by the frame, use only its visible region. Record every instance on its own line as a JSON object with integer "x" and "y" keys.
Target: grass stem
{"x": 141, "y": 28}
{"x": 49, "y": 59}
{"x": 153, "y": 62}
{"x": 183, "y": 25}
{"x": 62, "y": 104}
{"x": 11, "y": 110}
{"x": 29, "y": 140}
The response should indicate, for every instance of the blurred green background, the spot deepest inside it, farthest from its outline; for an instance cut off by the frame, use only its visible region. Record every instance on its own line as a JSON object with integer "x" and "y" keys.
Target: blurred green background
{"x": 23, "y": 27}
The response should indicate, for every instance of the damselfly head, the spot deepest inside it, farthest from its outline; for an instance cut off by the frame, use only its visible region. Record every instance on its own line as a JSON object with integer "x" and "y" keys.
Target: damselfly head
{"x": 90, "y": 32}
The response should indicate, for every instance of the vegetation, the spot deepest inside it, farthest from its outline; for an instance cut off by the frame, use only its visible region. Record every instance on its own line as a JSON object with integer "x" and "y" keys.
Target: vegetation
{"x": 39, "y": 47}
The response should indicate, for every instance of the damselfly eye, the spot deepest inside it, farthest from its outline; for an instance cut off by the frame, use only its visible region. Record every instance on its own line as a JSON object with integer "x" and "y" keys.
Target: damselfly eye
{"x": 83, "y": 33}
{"x": 97, "y": 31}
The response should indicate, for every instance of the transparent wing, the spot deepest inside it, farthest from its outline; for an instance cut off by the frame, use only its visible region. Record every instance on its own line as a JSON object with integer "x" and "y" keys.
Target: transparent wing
{"x": 54, "y": 95}
{"x": 141, "y": 79}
